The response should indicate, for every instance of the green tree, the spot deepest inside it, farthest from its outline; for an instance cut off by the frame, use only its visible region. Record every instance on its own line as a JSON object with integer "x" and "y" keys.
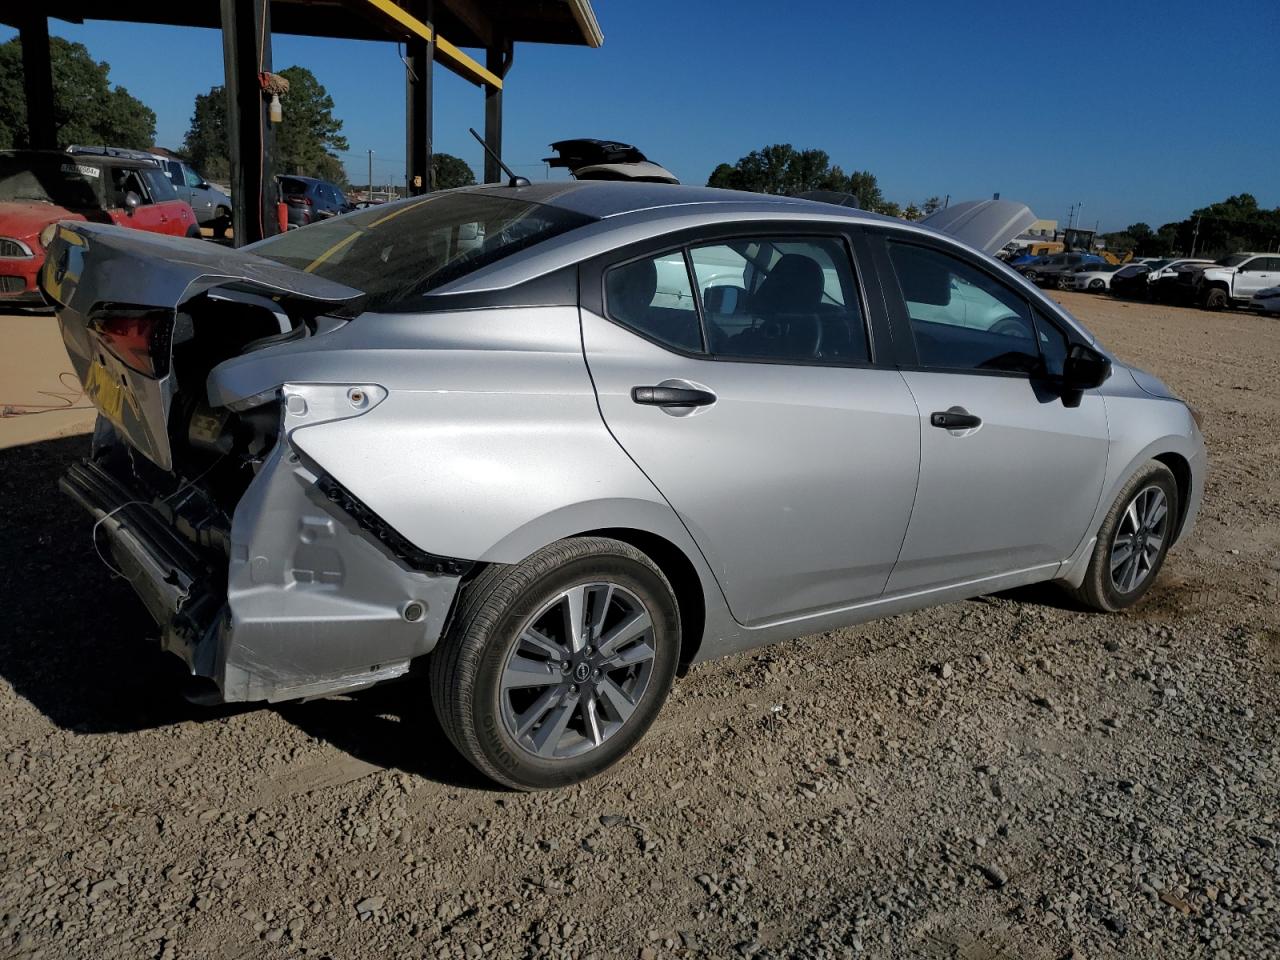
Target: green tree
{"x": 310, "y": 134}
{"x": 449, "y": 171}
{"x": 206, "y": 143}
{"x": 932, "y": 205}
{"x": 87, "y": 109}
{"x": 912, "y": 212}
{"x": 307, "y": 140}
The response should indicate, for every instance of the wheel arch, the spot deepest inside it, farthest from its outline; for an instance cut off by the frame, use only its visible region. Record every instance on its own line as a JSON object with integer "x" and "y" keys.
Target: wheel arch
{"x": 683, "y": 576}
{"x": 1180, "y": 467}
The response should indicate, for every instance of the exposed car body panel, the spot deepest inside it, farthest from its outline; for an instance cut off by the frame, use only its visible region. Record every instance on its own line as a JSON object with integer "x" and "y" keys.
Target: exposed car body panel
{"x": 152, "y": 271}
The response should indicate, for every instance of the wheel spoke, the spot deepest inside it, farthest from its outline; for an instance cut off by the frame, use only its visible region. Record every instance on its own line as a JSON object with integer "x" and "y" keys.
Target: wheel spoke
{"x": 617, "y": 702}
{"x": 1131, "y": 515}
{"x": 548, "y": 736}
{"x": 1154, "y": 543}
{"x": 537, "y": 710}
{"x": 630, "y": 629}
{"x": 1130, "y": 572}
{"x": 636, "y": 653}
{"x": 601, "y": 596}
{"x": 522, "y": 672}
{"x": 1121, "y": 552}
{"x": 1156, "y": 511}
{"x": 590, "y": 713}
{"x": 540, "y": 641}
{"x": 575, "y": 601}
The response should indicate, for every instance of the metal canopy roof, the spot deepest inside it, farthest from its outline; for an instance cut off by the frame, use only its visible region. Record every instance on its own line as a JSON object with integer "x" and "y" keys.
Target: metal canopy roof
{"x": 458, "y": 23}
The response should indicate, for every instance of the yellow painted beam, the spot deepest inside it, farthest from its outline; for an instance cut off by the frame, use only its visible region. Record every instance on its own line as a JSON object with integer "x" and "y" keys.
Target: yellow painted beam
{"x": 446, "y": 52}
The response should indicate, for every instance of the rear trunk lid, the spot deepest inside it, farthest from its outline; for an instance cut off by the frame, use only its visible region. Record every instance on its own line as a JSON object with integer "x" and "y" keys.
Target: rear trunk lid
{"x": 126, "y": 299}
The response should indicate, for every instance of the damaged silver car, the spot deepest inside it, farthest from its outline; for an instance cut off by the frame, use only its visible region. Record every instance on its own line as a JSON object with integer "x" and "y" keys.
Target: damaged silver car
{"x": 555, "y": 443}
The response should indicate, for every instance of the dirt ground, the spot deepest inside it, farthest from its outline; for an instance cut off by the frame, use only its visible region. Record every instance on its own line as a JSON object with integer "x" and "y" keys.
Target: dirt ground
{"x": 1003, "y": 778}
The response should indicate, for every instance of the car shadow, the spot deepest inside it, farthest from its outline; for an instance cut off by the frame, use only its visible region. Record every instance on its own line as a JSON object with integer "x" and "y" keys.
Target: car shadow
{"x": 77, "y": 644}
{"x": 392, "y": 726}
{"x": 1045, "y": 594}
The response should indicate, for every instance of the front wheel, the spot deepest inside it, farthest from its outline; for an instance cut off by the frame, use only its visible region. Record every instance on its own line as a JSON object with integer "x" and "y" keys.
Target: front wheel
{"x": 1216, "y": 299}
{"x": 1132, "y": 541}
{"x": 555, "y": 667}
{"x": 1096, "y": 285}
{"x": 1032, "y": 276}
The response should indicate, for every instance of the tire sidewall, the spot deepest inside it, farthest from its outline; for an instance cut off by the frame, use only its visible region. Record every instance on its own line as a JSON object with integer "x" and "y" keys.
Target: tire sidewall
{"x": 1104, "y": 591}
{"x": 501, "y": 750}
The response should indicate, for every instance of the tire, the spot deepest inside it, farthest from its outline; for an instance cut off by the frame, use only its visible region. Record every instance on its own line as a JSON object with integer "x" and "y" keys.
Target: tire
{"x": 1108, "y": 587}
{"x": 1032, "y": 276}
{"x": 561, "y": 728}
{"x": 1096, "y": 285}
{"x": 221, "y": 223}
{"x": 193, "y": 232}
{"x": 1216, "y": 299}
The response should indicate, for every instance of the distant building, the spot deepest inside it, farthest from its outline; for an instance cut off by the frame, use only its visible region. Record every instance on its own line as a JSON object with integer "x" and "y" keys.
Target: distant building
{"x": 1043, "y": 228}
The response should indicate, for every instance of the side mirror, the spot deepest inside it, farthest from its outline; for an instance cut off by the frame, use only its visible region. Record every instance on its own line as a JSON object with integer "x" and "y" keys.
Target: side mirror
{"x": 131, "y": 202}
{"x": 1084, "y": 368}
{"x": 204, "y": 185}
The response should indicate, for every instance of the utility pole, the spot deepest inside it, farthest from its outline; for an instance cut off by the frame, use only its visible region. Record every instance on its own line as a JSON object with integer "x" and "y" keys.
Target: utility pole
{"x": 1194, "y": 237}
{"x": 1071, "y": 212}
{"x": 369, "y": 194}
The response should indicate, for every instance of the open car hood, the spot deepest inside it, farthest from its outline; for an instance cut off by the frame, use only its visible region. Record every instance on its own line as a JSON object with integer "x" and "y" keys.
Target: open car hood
{"x": 984, "y": 224}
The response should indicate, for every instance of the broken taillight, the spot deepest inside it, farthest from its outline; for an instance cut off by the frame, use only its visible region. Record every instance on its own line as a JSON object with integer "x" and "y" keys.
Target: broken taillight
{"x": 138, "y": 336}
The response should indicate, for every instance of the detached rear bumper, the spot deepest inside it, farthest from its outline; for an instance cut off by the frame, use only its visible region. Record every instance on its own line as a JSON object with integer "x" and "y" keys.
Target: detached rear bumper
{"x": 308, "y": 604}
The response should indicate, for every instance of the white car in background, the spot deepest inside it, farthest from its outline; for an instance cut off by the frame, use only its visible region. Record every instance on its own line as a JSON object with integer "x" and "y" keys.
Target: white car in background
{"x": 1097, "y": 279}
{"x": 1266, "y": 301}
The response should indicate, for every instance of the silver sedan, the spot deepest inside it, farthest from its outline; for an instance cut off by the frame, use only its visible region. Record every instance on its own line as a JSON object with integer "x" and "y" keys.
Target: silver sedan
{"x": 555, "y": 443}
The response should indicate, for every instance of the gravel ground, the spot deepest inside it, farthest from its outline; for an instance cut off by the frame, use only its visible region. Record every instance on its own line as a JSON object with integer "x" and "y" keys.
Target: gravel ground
{"x": 1006, "y": 777}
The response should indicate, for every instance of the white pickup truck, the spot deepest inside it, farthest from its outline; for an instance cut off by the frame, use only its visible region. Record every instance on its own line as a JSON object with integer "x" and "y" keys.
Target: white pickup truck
{"x": 1235, "y": 279}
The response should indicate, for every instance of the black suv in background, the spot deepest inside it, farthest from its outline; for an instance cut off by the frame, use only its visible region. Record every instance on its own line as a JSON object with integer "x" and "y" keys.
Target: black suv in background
{"x": 309, "y": 199}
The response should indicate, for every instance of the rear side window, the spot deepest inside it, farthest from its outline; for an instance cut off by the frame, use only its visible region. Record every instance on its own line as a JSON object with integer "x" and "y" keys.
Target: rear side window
{"x": 961, "y": 318}
{"x": 760, "y": 298}
{"x": 653, "y": 296}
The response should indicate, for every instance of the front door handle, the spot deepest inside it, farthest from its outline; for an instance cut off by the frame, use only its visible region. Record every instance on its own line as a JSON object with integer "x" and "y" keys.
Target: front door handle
{"x": 660, "y": 396}
{"x": 954, "y": 420}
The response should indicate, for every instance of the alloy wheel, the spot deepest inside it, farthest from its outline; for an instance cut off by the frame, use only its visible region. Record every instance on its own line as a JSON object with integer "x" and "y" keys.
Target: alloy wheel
{"x": 578, "y": 670}
{"x": 1139, "y": 538}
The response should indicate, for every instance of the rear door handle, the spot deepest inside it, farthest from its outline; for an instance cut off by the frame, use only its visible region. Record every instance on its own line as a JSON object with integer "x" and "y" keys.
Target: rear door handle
{"x": 954, "y": 420}
{"x": 672, "y": 396}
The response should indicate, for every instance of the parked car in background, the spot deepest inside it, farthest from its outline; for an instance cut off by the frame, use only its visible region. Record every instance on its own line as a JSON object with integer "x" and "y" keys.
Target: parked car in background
{"x": 1095, "y": 278}
{"x": 309, "y": 199}
{"x": 1130, "y": 281}
{"x": 466, "y": 430}
{"x": 40, "y": 187}
{"x": 1266, "y": 301}
{"x": 1048, "y": 271}
{"x": 1234, "y": 279}
{"x": 211, "y": 204}
{"x": 1173, "y": 280}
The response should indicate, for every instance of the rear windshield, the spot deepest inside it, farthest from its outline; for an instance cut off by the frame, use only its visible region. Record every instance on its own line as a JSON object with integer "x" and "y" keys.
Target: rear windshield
{"x": 290, "y": 185}
{"x": 396, "y": 252}
{"x": 1232, "y": 261}
{"x": 68, "y": 181}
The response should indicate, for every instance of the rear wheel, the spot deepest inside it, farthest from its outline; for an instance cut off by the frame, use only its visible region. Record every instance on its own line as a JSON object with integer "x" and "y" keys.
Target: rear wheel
{"x": 556, "y": 666}
{"x": 1216, "y": 299}
{"x": 1032, "y": 276}
{"x": 1096, "y": 285}
{"x": 1132, "y": 541}
{"x": 221, "y": 222}
{"x": 193, "y": 232}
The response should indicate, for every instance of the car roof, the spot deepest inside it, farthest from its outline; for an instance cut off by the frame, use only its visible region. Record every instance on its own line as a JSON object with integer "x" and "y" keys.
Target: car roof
{"x": 603, "y": 199}
{"x": 96, "y": 159}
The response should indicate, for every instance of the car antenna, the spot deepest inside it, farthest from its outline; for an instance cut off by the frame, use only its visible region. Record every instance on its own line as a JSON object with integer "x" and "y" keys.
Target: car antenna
{"x": 514, "y": 181}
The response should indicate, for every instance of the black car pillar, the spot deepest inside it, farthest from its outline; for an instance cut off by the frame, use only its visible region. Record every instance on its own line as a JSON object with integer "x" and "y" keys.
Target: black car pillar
{"x": 37, "y": 82}
{"x": 246, "y": 51}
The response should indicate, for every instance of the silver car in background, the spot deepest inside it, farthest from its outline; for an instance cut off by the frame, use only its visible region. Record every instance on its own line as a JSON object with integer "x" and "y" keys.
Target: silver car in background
{"x": 557, "y": 442}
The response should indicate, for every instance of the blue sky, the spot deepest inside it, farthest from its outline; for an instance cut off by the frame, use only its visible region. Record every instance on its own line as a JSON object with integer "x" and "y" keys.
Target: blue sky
{"x": 1139, "y": 111}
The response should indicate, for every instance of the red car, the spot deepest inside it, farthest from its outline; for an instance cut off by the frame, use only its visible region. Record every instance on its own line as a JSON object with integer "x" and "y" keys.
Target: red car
{"x": 40, "y": 187}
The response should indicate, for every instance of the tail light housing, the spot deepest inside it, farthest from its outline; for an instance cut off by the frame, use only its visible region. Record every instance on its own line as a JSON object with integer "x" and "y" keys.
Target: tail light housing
{"x": 139, "y": 337}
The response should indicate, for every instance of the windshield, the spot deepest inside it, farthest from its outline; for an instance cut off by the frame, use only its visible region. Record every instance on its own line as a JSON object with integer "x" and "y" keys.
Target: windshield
{"x": 66, "y": 181}
{"x": 1233, "y": 261}
{"x": 1158, "y": 264}
{"x": 398, "y": 251}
